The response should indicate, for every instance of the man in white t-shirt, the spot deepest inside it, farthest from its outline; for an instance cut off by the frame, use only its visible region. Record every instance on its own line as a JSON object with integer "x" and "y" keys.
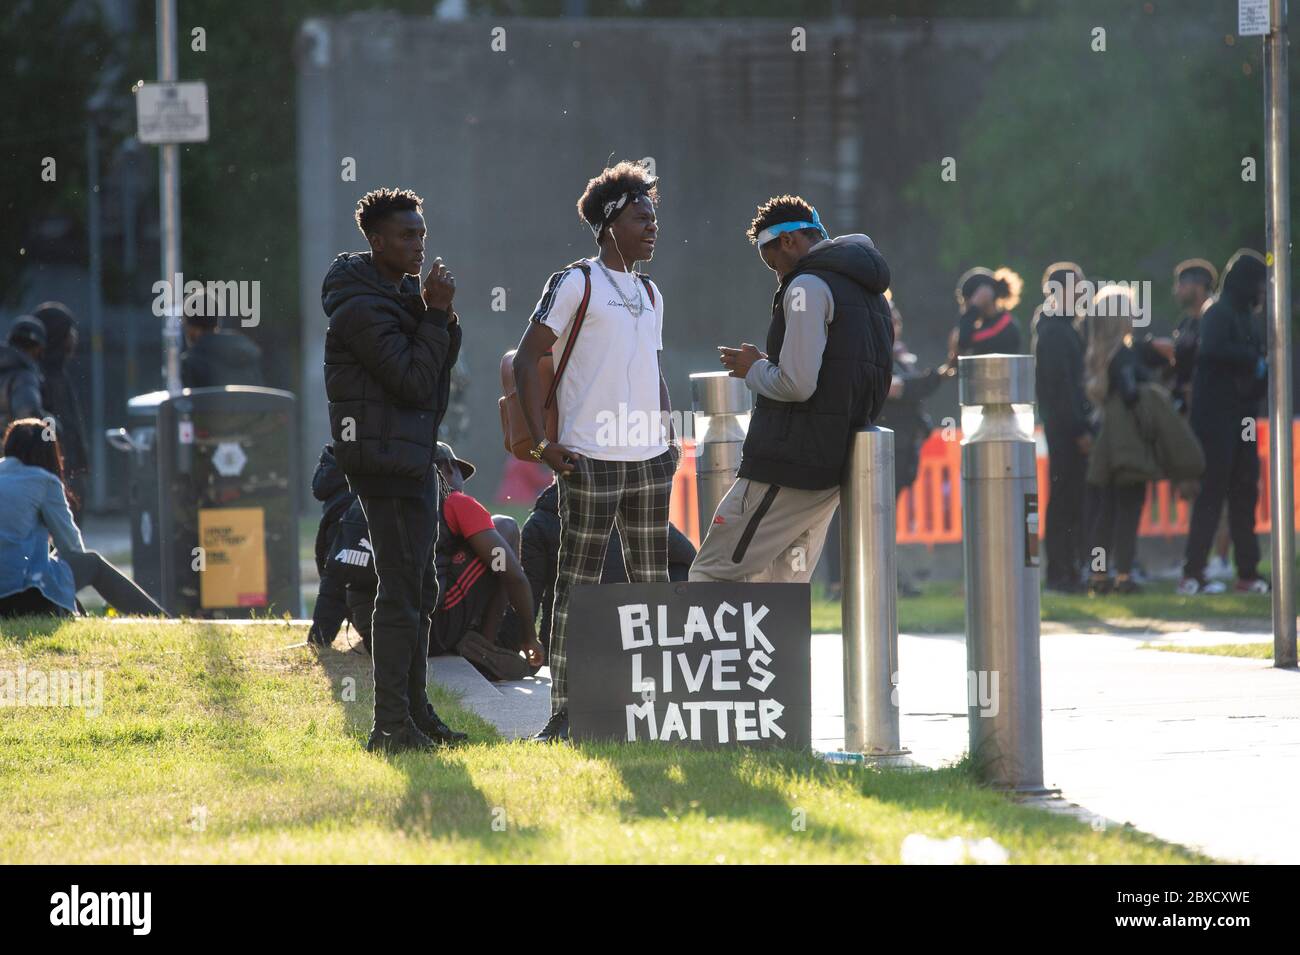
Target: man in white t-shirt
{"x": 616, "y": 453}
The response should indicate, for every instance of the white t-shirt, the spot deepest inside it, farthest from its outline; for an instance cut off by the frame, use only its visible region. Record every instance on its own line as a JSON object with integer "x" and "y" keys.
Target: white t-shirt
{"x": 609, "y": 394}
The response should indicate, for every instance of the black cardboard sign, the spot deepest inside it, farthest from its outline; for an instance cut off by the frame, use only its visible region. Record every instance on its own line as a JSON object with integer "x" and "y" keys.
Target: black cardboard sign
{"x": 703, "y": 664}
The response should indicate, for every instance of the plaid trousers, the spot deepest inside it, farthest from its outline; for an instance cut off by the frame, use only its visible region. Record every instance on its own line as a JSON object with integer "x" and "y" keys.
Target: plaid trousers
{"x": 593, "y": 497}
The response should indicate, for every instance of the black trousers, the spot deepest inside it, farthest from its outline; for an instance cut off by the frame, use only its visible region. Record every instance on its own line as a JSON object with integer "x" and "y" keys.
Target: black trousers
{"x": 403, "y": 531}
{"x": 1232, "y": 475}
{"x": 91, "y": 569}
{"x": 1065, "y": 534}
{"x": 1115, "y": 524}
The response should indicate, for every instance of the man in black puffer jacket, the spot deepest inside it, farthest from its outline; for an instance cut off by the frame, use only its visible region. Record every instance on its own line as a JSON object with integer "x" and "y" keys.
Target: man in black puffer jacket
{"x": 389, "y": 350}
{"x": 826, "y": 374}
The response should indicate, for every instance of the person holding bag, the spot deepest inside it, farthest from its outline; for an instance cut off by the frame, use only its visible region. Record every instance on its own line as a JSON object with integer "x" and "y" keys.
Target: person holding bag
{"x": 1142, "y": 439}
{"x": 610, "y": 448}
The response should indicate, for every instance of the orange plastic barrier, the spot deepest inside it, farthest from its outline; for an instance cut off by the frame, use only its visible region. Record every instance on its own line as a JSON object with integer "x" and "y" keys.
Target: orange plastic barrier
{"x": 682, "y": 508}
{"x": 929, "y": 512}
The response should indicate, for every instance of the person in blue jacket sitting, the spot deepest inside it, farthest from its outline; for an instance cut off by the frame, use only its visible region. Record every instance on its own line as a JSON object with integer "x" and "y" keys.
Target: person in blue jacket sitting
{"x": 36, "y": 510}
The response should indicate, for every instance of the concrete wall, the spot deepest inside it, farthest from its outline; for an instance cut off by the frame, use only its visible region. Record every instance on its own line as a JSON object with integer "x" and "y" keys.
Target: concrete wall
{"x": 501, "y": 144}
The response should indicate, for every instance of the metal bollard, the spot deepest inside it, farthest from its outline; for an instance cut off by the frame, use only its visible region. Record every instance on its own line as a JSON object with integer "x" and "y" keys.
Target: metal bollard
{"x": 1000, "y": 552}
{"x": 868, "y": 608}
{"x": 722, "y": 407}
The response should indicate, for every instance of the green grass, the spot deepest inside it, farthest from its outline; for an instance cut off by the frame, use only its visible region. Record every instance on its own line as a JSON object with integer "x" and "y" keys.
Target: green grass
{"x": 221, "y": 744}
{"x": 941, "y": 609}
{"x": 1254, "y": 651}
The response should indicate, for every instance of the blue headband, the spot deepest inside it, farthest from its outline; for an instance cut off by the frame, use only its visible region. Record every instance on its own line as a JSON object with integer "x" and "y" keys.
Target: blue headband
{"x": 772, "y": 231}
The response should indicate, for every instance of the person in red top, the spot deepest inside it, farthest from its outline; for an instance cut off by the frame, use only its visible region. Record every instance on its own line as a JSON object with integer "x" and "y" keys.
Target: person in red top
{"x": 477, "y": 563}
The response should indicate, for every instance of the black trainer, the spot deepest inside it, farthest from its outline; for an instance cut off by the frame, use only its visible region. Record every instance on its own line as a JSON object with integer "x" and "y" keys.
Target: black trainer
{"x": 432, "y": 726}
{"x": 400, "y": 739}
{"x": 556, "y": 729}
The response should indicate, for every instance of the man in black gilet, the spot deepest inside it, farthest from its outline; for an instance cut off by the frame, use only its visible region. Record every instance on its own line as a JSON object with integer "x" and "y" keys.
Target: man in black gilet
{"x": 825, "y": 375}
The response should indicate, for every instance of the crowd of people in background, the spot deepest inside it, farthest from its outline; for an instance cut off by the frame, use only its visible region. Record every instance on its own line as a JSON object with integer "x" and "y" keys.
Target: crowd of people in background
{"x": 1121, "y": 408}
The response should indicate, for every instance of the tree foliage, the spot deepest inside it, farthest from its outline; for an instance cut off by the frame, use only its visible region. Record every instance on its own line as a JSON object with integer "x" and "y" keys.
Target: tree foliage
{"x": 1127, "y": 160}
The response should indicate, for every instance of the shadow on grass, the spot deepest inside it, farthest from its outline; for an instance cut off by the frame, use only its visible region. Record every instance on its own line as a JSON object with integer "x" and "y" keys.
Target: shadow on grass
{"x": 669, "y": 782}
{"x": 237, "y": 696}
{"x": 441, "y": 798}
{"x": 28, "y": 630}
{"x": 224, "y": 694}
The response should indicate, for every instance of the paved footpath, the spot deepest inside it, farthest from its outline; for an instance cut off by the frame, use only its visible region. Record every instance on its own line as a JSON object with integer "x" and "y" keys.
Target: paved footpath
{"x": 1195, "y": 749}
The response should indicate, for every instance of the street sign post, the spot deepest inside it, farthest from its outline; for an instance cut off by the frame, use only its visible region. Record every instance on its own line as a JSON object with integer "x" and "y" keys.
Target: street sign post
{"x": 172, "y": 112}
{"x": 1277, "y": 230}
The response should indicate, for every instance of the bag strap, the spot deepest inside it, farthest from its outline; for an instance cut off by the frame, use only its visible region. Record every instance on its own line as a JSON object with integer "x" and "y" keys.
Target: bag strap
{"x": 645, "y": 280}
{"x": 578, "y": 319}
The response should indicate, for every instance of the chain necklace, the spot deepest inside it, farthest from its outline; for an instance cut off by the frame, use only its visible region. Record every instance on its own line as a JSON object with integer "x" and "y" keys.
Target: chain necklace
{"x": 633, "y": 310}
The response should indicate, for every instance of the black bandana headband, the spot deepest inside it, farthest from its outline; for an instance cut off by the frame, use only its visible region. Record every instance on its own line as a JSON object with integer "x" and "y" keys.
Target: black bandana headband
{"x": 612, "y": 209}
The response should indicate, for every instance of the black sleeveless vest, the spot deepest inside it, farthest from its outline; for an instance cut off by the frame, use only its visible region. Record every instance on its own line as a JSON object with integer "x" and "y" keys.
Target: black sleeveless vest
{"x": 805, "y": 444}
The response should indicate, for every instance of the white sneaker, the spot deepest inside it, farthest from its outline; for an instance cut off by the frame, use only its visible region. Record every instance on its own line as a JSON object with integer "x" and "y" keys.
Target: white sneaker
{"x": 1255, "y": 586}
{"x": 1218, "y": 569}
{"x": 1191, "y": 587}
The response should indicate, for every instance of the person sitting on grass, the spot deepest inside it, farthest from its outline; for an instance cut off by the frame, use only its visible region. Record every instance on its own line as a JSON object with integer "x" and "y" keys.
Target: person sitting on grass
{"x": 36, "y": 509}
{"x": 479, "y": 574}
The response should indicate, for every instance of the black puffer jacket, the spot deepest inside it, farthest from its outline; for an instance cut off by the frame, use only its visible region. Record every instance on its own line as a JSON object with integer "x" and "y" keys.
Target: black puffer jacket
{"x": 388, "y": 366}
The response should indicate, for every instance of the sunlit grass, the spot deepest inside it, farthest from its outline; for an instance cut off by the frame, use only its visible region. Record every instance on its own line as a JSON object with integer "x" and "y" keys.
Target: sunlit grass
{"x": 1254, "y": 651}
{"x": 219, "y": 743}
